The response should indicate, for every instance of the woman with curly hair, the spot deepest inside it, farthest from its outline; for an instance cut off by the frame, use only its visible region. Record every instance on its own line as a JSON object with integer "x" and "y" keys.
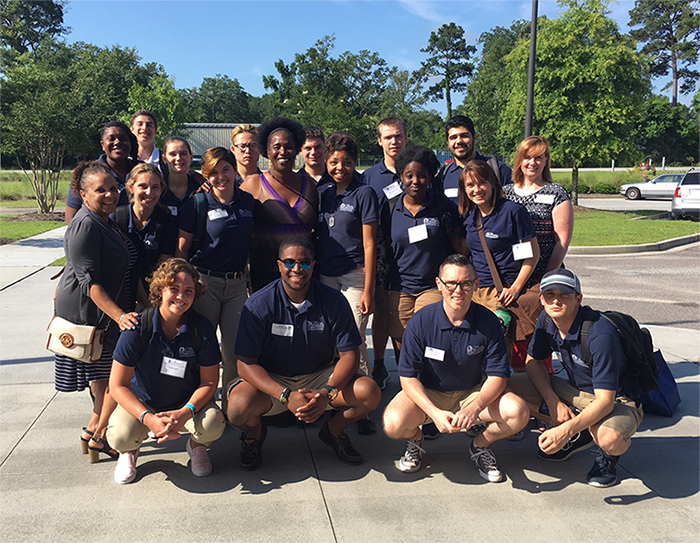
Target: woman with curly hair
{"x": 286, "y": 202}
{"x": 166, "y": 383}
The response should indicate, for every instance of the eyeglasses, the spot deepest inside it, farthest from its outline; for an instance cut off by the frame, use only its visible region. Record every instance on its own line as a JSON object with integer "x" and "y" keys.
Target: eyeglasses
{"x": 289, "y": 263}
{"x": 452, "y": 285}
{"x": 243, "y": 147}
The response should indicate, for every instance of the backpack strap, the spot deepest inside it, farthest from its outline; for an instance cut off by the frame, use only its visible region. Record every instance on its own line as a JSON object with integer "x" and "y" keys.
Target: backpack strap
{"x": 493, "y": 162}
{"x": 146, "y": 329}
{"x": 121, "y": 217}
{"x": 194, "y": 322}
{"x": 200, "y": 211}
{"x": 585, "y": 351}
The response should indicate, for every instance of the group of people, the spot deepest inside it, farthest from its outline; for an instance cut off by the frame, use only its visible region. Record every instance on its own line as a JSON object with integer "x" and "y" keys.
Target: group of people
{"x": 461, "y": 266}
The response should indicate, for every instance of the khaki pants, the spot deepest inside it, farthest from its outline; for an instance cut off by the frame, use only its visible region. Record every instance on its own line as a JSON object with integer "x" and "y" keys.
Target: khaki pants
{"x": 402, "y": 306}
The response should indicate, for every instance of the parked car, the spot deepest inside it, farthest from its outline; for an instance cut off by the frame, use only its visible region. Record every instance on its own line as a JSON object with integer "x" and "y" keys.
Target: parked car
{"x": 686, "y": 201}
{"x": 663, "y": 186}
{"x": 196, "y": 162}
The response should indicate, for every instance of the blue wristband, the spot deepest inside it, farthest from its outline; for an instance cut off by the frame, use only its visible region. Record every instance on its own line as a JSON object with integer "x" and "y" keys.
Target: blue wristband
{"x": 192, "y": 408}
{"x": 143, "y": 415}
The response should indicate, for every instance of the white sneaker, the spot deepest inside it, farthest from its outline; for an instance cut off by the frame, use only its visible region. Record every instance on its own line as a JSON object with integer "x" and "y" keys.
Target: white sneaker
{"x": 125, "y": 472}
{"x": 200, "y": 463}
{"x": 412, "y": 459}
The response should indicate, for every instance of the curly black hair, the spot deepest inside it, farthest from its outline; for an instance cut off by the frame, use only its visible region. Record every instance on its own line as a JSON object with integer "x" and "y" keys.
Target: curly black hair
{"x": 420, "y": 154}
{"x": 340, "y": 141}
{"x": 293, "y": 128}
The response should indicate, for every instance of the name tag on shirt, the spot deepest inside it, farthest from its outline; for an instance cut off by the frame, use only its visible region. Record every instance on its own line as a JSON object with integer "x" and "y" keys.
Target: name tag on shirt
{"x": 173, "y": 367}
{"x": 214, "y": 214}
{"x": 284, "y": 330}
{"x": 522, "y": 251}
{"x": 173, "y": 210}
{"x": 392, "y": 191}
{"x": 544, "y": 199}
{"x": 435, "y": 354}
{"x": 452, "y": 193}
{"x": 417, "y": 233}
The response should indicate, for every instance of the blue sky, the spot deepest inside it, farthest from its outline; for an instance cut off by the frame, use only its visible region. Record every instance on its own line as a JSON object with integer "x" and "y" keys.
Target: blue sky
{"x": 243, "y": 39}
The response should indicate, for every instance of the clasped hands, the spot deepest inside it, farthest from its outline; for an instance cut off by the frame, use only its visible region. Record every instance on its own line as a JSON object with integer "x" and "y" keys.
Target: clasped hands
{"x": 166, "y": 425}
{"x": 449, "y": 423}
{"x": 308, "y": 404}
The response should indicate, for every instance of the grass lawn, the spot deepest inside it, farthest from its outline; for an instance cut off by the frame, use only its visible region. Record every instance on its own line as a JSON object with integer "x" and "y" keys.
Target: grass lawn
{"x": 14, "y": 231}
{"x": 15, "y": 186}
{"x": 594, "y": 228}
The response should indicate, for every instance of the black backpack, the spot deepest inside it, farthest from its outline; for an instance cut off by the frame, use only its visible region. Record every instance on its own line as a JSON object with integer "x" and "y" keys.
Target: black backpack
{"x": 200, "y": 211}
{"x": 641, "y": 372}
{"x": 146, "y": 329}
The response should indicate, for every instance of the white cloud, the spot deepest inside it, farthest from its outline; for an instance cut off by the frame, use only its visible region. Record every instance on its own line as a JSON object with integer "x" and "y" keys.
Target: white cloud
{"x": 424, "y": 9}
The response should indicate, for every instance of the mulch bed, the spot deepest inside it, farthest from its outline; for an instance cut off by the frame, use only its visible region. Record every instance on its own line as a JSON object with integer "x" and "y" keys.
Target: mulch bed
{"x": 36, "y": 216}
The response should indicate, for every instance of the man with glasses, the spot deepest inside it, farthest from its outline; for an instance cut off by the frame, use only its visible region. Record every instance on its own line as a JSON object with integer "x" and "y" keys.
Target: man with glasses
{"x": 286, "y": 348}
{"x": 447, "y": 350}
{"x": 594, "y": 402}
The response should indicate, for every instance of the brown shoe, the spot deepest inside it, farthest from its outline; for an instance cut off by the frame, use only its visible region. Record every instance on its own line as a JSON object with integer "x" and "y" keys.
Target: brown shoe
{"x": 341, "y": 445}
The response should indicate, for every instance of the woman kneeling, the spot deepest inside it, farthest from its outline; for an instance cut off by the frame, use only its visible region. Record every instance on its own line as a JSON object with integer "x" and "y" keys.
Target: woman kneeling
{"x": 165, "y": 373}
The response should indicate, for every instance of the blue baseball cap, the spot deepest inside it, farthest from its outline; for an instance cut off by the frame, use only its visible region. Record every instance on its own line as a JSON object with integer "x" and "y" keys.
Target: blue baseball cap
{"x": 561, "y": 279}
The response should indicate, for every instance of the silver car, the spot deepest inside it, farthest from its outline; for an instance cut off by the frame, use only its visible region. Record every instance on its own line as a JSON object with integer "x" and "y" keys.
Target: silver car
{"x": 686, "y": 201}
{"x": 663, "y": 186}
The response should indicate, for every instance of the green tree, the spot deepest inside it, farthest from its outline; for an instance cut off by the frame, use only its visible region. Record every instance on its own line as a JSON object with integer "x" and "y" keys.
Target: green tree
{"x": 589, "y": 89}
{"x": 218, "y": 99}
{"x": 489, "y": 87}
{"x": 25, "y": 23}
{"x": 668, "y": 131}
{"x": 448, "y": 61}
{"x": 670, "y": 30}
{"x": 162, "y": 99}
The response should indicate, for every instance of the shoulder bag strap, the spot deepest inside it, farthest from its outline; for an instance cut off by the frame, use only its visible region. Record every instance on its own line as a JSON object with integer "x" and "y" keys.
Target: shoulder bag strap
{"x": 492, "y": 265}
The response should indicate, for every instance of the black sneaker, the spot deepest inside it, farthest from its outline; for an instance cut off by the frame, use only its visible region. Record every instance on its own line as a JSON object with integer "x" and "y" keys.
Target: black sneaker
{"x": 430, "y": 431}
{"x": 341, "y": 445}
{"x": 485, "y": 462}
{"x": 366, "y": 425}
{"x": 580, "y": 442}
{"x": 380, "y": 375}
{"x": 604, "y": 471}
{"x": 476, "y": 429}
{"x": 251, "y": 451}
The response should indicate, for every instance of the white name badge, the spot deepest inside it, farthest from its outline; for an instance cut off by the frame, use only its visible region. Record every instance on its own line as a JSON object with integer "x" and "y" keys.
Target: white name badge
{"x": 173, "y": 210}
{"x": 544, "y": 199}
{"x": 417, "y": 233}
{"x": 284, "y": 330}
{"x": 173, "y": 367}
{"x": 522, "y": 251}
{"x": 392, "y": 191}
{"x": 214, "y": 214}
{"x": 452, "y": 193}
{"x": 435, "y": 354}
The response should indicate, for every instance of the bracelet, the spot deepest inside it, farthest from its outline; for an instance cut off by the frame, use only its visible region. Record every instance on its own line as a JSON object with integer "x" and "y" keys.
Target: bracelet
{"x": 143, "y": 415}
{"x": 192, "y": 408}
{"x": 120, "y": 318}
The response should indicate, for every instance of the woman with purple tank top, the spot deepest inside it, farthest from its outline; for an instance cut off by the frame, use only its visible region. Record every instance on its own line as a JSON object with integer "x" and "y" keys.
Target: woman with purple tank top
{"x": 286, "y": 203}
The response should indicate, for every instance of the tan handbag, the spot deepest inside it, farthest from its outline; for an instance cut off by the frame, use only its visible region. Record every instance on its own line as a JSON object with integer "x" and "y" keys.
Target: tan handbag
{"x": 81, "y": 342}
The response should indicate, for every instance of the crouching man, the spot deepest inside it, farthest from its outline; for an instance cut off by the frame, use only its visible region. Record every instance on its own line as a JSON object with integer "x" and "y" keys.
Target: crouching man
{"x": 286, "y": 346}
{"x": 593, "y": 398}
{"x": 448, "y": 347}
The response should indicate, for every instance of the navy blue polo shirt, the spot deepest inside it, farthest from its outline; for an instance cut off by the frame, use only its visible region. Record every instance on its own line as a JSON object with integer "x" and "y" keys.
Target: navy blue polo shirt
{"x": 325, "y": 178}
{"x": 508, "y": 224}
{"x": 608, "y": 358}
{"x": 446, "y": 357}
{"x": 170, "y": 390}
{"x": 414, "y": 266}
{"x": 290, "y": 342}
{"x": 340, "y": 247}
{"x": 449, "y": 183}
{"x": 172, "y": 202}
{"x": 226, "y": 242}
{"x": 74, "y": 200}
{"x": 380, "y": 177}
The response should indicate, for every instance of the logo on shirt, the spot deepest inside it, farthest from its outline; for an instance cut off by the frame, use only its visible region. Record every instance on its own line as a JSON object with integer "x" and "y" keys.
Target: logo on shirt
{"x": 186, "y": 352}
{"x": 474, "y": 349}
{"x": 578, "y": 361}
{"x": 315, "y": 326}
{"x": 431, "y": 221}
{"x": 491, "y": 235}
{"x": 245, "y": 213}
{"x": 347, "y": 207}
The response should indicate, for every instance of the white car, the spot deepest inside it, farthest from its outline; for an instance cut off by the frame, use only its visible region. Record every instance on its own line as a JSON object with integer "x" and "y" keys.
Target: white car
{"x": 663, "y": 186}
{"x": 686, "y": 201}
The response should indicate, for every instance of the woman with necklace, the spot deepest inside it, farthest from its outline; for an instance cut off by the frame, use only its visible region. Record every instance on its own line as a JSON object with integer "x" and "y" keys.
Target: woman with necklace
{"x": 167, "y": 385}
{"x": 286, "y": 203}
{"x": 221, "y": 256}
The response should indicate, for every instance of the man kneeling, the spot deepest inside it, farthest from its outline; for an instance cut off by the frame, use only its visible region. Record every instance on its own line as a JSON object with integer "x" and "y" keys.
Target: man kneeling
{"x": 287, "y": 340}
{"x": 594, "y": 397}
{"x": 448, "y": 347}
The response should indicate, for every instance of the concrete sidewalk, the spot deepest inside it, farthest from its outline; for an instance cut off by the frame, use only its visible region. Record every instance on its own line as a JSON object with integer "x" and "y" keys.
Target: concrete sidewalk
{"x": 49, "y": 491}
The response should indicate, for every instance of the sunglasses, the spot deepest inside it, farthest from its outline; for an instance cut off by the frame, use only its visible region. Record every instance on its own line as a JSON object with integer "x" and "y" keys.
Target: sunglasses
{"x": 289, "y": 263}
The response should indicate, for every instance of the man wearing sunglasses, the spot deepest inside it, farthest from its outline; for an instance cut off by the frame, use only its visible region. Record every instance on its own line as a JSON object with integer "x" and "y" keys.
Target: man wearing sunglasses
{"x": 287, "y": 341}
{"x": 448, "y": 347}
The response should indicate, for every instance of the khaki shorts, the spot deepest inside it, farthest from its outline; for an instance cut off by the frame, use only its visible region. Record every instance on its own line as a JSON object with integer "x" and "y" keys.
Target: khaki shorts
{"x": 625, "y": 418}
{"x": 402, "y": 306}
{"x": 453, "y": 400}
{"x": 314, "y": 380}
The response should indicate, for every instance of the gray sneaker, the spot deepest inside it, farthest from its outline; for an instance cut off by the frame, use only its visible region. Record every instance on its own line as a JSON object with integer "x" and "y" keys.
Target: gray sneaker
{"x": 485, "y": 462}
{"x": 412, "y": 459}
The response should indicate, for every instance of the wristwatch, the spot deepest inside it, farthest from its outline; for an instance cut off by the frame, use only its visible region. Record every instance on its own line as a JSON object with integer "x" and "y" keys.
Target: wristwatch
{"x": 332, "y": 392}
{"x": 284, "y": 397}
